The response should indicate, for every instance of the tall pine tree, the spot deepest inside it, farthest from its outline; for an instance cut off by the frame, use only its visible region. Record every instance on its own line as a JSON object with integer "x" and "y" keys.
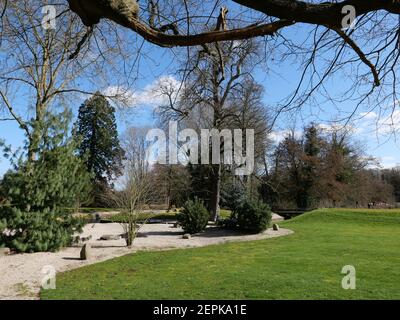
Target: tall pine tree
{"x": 99, "y": 145}
{"x": 311, "y": 160}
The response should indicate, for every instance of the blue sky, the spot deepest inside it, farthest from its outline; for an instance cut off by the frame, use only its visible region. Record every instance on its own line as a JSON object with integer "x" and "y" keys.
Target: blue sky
{"x": 278, "y": 82}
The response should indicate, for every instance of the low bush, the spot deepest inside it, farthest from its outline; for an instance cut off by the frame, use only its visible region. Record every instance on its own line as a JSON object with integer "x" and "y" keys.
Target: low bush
{"x": 253, "y": 216}
{"x": 37, "y": 231}
{"x": 194, "y": 216}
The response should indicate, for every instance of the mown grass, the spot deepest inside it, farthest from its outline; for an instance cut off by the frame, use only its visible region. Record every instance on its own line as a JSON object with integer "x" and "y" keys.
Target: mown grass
{"x": 121, "y": 218}
{"x": 304, "y": 265}
{"x": 171, "y": 215}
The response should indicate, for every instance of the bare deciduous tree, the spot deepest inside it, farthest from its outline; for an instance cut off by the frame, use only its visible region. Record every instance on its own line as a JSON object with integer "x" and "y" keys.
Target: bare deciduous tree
{"x": 36, "y": 72}
{"x": 136, "y": 186}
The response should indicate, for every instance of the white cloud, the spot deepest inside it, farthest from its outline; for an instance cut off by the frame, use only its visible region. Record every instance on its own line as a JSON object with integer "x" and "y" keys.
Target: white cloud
{"x": 388, "y": 162}
{"x": 389, "y": 124}
{"x": 279, "y": 135}
{"x": 372, "y": 124}
{"x": 369, "y": 115}
{"x": 152, "y": 95}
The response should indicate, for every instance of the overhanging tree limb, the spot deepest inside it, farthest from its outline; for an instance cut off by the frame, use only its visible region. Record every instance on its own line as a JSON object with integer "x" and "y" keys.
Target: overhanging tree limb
{"x": 92, "y": 11}
{"x": 361, "y": 55}
{"x": 324, "y": 13}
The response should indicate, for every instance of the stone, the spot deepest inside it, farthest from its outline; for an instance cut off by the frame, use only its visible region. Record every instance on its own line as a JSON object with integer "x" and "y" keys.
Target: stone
{"x": 5, "y": 251}
{"x": 275, "y": 227}
{"x": 85, "y": 239}
{"x": 176, "y": 225}
{"x": 186, "y": 236}
{"x": 86, "y": 252}
{"x": 109, "y": 237}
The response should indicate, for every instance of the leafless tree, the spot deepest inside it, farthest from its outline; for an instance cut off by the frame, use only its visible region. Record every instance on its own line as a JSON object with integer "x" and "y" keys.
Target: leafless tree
{"x": 36, "y": 69}
{"x": 136, "y": 186}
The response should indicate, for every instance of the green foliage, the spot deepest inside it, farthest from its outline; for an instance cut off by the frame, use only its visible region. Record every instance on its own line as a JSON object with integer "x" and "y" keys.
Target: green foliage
{"x": 3, "y": 226}
{"x": 194, "y": 216}
{"x": 200, "y": 179}
{"x": 57, "y": 178}
{"x": 39, "y": 188}
{"x": 232, "y": 197}
{"x": 253, "y": 216}
{"x": 99, "y": 147}
{"x": 43, "y": 231}
{"x": 121, "y": 217}
{"x": 309, "y": 172}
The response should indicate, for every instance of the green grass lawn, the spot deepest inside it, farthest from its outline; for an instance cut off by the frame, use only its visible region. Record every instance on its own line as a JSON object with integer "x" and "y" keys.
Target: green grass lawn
{"x": 171, "y": 215}
{"x": 162, "y": 216}
{"x": 304, "y": 265}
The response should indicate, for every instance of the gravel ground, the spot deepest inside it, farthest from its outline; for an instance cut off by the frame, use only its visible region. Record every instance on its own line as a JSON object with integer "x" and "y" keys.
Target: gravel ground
{"x": 21, "y": 274}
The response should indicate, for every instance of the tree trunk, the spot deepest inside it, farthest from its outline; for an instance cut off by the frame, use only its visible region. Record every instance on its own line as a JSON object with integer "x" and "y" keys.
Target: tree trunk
{"x": 216, "y": 191}
{"x": 33, "y": 145}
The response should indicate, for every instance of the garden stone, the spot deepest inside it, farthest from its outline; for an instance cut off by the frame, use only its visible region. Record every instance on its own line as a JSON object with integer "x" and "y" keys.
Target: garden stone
{"x": 85, "y": 239}
{"x": 86, "y": 252}
{"x": 4, "y": 251}
{"x": 186, "y": 236}
{"x": 275, "y": 227}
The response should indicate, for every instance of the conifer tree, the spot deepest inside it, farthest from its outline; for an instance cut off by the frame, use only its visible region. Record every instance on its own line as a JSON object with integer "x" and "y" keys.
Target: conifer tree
{"x": 100, "y": 146}
{"x": 39, "y": 192}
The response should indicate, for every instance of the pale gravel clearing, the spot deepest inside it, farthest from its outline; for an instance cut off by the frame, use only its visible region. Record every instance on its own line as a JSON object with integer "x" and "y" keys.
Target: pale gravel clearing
{"x": 20, "y": 275}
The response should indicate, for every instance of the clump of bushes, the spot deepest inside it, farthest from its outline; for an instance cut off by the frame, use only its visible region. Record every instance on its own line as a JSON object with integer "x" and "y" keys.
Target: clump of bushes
{"x": 194, "y": 216}
{"x": 253, "y": 216}
{"x": 250, "y": 216}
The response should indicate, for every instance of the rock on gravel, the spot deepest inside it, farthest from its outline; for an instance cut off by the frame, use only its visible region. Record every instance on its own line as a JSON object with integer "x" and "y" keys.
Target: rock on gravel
{"x": 4, "y": 251}
{"x": 86, "y": 252}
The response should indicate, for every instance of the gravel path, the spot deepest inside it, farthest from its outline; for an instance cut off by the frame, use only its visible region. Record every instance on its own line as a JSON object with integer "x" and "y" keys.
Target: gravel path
{"x": 21, "y": 274}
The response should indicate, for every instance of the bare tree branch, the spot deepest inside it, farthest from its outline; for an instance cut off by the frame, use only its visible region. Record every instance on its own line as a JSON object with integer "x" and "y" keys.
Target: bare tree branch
{"x": 362, "y": 56}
